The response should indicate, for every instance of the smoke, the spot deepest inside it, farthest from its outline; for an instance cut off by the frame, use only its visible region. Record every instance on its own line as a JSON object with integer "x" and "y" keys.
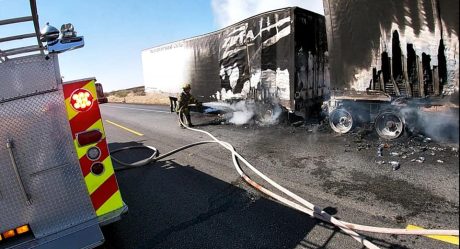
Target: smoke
{"x": 238, "y": 113}
{"x": 271, "y": 116}
{"x": 244, "y": 112}
{"x": 227, "y": 12}
{"x": 441, "y": 125}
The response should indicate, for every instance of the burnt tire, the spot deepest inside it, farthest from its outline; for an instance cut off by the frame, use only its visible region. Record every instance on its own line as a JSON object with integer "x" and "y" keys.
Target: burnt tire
{"x": 389, "y": 125}
{"x": 270, "y": 114}
{"x": 341, "y": 120}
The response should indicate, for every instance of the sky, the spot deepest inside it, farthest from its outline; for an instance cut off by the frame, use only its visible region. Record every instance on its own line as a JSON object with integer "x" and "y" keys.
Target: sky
{"x": 116, "y": 31}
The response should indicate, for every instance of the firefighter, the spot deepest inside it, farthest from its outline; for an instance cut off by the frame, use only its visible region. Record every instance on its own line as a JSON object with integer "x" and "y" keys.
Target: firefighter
{"x": 185, "y": 99}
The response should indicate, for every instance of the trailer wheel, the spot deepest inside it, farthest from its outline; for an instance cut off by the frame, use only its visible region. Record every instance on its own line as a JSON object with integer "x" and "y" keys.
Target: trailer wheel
{"x": 269, "y": 114}
{"x": 389, "y": 125}
{"x": 341, "y": 121}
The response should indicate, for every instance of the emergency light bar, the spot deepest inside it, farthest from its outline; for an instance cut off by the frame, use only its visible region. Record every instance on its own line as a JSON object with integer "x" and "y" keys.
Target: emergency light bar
{"x": 68, "y": 40}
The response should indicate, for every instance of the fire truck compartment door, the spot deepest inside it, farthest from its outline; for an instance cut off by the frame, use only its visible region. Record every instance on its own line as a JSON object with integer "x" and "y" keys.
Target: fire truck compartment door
{"x": 48, "y": 167}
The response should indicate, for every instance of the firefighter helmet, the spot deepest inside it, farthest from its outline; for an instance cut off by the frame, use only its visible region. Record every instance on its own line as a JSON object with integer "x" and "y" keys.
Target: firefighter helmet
{"x": 186, "y": 86}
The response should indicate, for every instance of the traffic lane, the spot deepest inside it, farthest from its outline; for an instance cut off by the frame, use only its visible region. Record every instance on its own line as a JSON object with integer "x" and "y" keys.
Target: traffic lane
{"x": 333, "y": 170}
{"x": 162, "y": 131}
{"x": 177, "y": 206}
{"x": 258, "y": 143}
{"x": 241, "y": 223}
{"x": 138, "y": 107}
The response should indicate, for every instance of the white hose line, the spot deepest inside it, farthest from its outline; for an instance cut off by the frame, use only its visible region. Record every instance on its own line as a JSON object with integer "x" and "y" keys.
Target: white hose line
{"x": 329, "y": 218}
{"x": 363, "y": 228}
{"x": 317, "y": 212}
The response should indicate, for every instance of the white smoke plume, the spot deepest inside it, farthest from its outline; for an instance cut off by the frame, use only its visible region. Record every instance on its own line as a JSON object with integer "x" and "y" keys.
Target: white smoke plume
{"x": 244, "y": 112}
{"x": 439, "y": 125}
{"x": 237, "y": 113}
{"x": 227, "y": 12}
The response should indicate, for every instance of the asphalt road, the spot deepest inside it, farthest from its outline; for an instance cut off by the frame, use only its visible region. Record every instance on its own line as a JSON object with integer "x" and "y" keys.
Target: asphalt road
{"x": 195, "y": 199}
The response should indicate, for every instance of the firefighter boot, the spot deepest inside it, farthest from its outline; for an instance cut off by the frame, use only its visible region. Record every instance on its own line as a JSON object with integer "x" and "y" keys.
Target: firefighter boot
{"x": 189, "y": 120}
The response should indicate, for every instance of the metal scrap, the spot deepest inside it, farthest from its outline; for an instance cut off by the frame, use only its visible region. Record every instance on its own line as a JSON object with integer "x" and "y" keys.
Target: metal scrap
{"x": 395, "y": 165}
{"x": 380, "y": 149}
{"x": 427, "y": 139}
{"x": 420, "y": 159}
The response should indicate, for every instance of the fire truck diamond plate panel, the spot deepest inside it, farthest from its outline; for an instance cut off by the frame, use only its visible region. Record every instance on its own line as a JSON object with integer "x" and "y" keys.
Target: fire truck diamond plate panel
{"x": 47, "y": 164}
{"x": 28, "y": 75}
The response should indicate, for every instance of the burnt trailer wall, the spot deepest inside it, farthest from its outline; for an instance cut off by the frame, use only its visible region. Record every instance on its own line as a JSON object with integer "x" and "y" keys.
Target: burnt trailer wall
{"x": 311, "y": 62}
{"x": 405, "y": 48}
{"x": 255, "y": 58}
{"x": 276, "y": 56}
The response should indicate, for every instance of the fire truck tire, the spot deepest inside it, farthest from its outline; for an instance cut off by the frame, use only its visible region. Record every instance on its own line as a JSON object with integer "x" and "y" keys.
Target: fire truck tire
{"x": 341, "y": 120}
{"x": 389, "y": 125}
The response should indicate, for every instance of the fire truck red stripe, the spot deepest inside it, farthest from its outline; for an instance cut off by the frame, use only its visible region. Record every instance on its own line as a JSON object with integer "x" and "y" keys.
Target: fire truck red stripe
{"x": 104, "y": 192}
{"x": 69, "y": 89}
{"x": 84, "y": 120}
{"x": 85, "y": 163}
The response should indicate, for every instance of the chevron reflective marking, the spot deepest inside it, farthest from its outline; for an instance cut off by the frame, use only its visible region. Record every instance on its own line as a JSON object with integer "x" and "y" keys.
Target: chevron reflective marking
{"x": 102, "y": 188}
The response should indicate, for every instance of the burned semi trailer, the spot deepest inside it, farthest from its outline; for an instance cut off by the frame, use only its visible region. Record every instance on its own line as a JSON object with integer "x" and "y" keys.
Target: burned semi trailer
{"x": 390, "y": 61}
{"x": 276, "y": 58}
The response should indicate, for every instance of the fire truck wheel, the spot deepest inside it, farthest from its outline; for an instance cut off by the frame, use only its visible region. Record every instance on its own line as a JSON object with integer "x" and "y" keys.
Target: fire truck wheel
{"x": 341, "y": 120}
{"x": 389, "y": 125}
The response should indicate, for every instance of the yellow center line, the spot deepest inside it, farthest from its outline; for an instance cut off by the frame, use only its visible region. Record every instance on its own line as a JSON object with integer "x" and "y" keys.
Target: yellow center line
{"x": 124, "y": 128}
{"x": 445, "y": 238}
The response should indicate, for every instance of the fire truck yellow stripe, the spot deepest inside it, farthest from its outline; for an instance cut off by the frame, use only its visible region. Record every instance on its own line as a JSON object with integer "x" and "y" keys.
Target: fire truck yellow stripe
{"x": 91, "y": 87}
{"x": 113, "y": 203}
{"x": 93, "y": 182}
{"x": 81, "y": 151}
{"x": 70, "y": 111}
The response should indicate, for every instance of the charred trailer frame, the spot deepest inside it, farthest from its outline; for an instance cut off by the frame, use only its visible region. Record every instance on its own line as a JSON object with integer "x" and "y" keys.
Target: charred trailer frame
{"x": 277, "y": 57}
{"x": 390, "y": 47}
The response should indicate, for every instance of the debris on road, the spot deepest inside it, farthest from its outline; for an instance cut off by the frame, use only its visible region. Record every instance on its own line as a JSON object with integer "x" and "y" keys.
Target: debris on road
{"x": 395, "y": 165}
{"x": 298, "y": 123}
{"x": 379, "y": 150}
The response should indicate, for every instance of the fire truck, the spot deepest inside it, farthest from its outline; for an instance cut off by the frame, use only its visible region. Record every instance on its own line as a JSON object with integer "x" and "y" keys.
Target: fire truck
{"x": 57, "y": 182}
{"x": 101, "y": 98}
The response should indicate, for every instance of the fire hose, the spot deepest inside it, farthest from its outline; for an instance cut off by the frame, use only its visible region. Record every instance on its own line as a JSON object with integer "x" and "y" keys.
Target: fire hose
{"x": 301, "y": 205}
